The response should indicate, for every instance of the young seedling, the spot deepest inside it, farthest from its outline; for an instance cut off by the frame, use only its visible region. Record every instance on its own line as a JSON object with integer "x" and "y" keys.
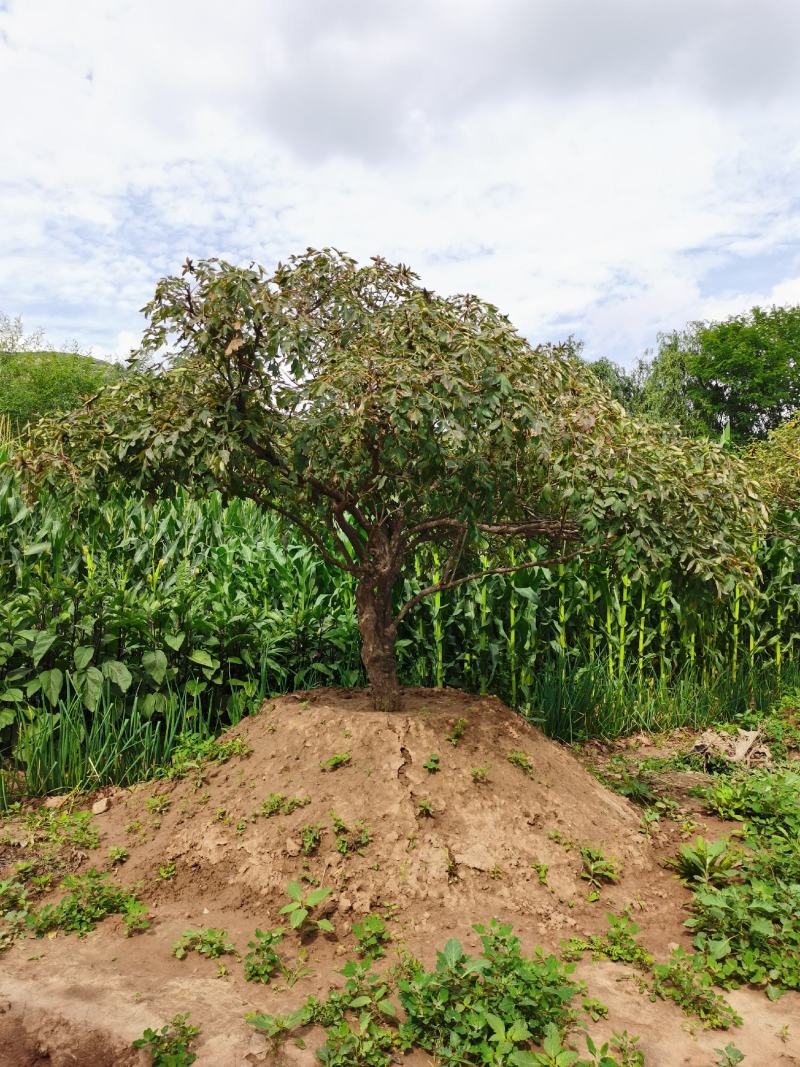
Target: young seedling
{"x": 312, "y": 835}
{"x": 541, "y": 872}
{"x": 598, "y": 869}
{"x": 706, "y": 862}
{"x": 425, "y": 808}
{"x": 278, "y": 804}
{"x": 263, "y": 961}
{"x": 171, "y": 1045}
{"x": 480, "y": 775}
{"x": 521, "y": 760}
{"x": 371, "y": 935}
{"x": 728, "y": 1056}
{"x": 207, "y": 941}
{"x": 167, "y": 871}
{"x": 337, "y": 760}
{"x": 431, "y": 764}
{"x": 158, "y": 804}
{"x": 457, "y": 732}
{"x": 117, "y": 855}
{"x": 300, "y": 907}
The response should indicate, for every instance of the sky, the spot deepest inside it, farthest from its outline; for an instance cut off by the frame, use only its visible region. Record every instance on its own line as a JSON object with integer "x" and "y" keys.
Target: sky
{"x": 609, "y": 169}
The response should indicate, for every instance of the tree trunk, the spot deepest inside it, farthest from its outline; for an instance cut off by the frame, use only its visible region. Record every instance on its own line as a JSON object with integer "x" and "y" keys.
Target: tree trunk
{"x": 374, "y": 606}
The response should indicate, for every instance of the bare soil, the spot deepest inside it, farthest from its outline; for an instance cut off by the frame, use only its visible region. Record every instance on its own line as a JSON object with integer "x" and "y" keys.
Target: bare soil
{"x": 64, "y": 1000}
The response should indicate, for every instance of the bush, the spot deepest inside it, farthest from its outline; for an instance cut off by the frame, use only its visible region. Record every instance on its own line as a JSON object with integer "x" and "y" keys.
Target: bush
{"x": 33, "y": 384}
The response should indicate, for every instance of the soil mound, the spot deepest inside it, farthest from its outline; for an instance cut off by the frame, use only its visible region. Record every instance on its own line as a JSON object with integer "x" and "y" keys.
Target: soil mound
{"x": 452, "y": 812}
{"x": 452, "y": 803}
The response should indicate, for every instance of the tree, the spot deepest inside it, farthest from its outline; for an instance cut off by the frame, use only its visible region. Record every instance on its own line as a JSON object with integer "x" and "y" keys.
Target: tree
{"x": 379, "y": 418}
{"x": 33, "y": 384}
{"x": 743, "y": 372}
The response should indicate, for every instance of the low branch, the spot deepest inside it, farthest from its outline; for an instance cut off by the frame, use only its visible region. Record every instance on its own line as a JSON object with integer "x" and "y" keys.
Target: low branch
{"x": 441, "y": 587}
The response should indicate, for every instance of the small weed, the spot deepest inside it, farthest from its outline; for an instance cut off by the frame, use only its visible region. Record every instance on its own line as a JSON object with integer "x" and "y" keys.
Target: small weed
{"x": 158, "y": 804}
{"x": 627, "y": 1048}
{"x": 171, "y": 1045}
{"x": 594, "y": 1008}
{"x": 337, "y": 760}
{"x": 167, "y": 871}
{"x": 728, "y": 1056}
{"x": 521, "y": 760}
{"x": 372, "y": 935}
{"x": 117, "y": 855}
{"x": 192, "y": 751}
{"x": 497, "y": 873}
{"x": 598, "y": 869}
{"x": 90, "y": 900}
{"x": 541, "y": 870}
{"x": 312, "y": 836}
{"x": 431, "y": 764}
{"x": 347, "y": 839}
{"x": 707, "y": 862}
{"x": 457, "y": 732}
{"x": 425, "y": 808}
{"x": 261, "y": 963}
{"x": 300, "y": 907}
{"x": 278, "y": 804}
{"x": 134, "y": 827}
{"x": 479, "y": 775}
{"x": 207, "y": 941}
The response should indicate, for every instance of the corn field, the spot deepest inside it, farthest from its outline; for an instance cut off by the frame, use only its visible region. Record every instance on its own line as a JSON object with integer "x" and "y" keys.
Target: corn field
{"x": 183, "y": 614}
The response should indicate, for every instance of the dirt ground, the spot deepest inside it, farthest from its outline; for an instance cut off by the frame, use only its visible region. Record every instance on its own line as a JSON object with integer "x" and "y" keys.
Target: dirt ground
{"x": 65, "y": 1000}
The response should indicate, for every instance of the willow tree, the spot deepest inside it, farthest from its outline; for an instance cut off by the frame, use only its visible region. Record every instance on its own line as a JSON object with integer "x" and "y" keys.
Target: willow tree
{"x": 378, "y": 418}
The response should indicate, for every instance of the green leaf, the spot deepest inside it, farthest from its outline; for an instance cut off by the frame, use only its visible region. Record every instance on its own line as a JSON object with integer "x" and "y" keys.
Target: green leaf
{"x": 203, "y": 658}
{"x": 117, "y": 673}
{"x": 298, "y": 917}
{"x": 12, "y": 696}
{"x": 452, "y": 952}
{"x": 83, "y": 656}
{"x": 7, "y": 717}
{"x": 316, "y": 896}
{"x": 174, "y": 640}
{"x": 51, "y": 683}
{"x": 155, "y": 664}
{"x": 41, "y": 646}
{"x": 91, "y": 685}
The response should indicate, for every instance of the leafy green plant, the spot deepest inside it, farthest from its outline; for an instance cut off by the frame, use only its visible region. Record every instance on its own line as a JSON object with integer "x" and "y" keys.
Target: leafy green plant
{"x": 207, "y": 941}
{"x": 708, "y": 862}
{"x": 312, "y": 836}
{"x": 171, "y": 1045}
{"x": 598, "y": 869}
{"x": 349, "y": 839}
{"x": 337, "y": 760}
{"x": 167, "y": 871}
{"x": 91, "y": 898}
{"x": 479, "y": 775}
{"x": 301, "y": 906}
{"x": 261, "y": 963}
{"x": 457, "y": 731}
{"x": 538, "y": 987}
{"x": 425, "y": 808}
{"x": 728, "y": 1056}
{"x": 432, "y": 763}
{"x": 279, "y": 804}
{"x": 372, "y": 935}
{"x": 158, "y": 805}
{"x": 521, "y": 760}
{"x": 117, "y": 855}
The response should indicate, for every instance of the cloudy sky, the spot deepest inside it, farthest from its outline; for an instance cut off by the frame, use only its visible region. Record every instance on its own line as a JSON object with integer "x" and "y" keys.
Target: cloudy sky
{"x": 608, "y": 168}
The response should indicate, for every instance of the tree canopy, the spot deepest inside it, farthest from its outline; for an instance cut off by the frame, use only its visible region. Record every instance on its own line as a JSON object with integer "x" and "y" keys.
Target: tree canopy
{"x": 33, "y": 384}
{"x": 378, "y": 417}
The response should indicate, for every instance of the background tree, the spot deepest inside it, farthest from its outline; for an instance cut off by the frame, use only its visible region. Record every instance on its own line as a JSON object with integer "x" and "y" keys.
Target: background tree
{"x": 744, "y": 371}
{"x": 379, "y": 417}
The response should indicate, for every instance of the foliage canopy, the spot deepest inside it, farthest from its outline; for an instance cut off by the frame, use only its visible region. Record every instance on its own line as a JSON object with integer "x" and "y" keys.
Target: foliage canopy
{"x": 378, "y": 417}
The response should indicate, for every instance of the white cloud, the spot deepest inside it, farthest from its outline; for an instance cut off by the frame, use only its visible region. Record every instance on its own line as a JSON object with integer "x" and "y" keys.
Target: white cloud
{"x": 582, "y": 166}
